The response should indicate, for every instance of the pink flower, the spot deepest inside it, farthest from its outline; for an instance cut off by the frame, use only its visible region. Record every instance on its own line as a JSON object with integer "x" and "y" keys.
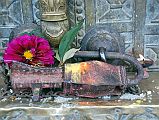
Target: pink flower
{"x": 29, "y": 49}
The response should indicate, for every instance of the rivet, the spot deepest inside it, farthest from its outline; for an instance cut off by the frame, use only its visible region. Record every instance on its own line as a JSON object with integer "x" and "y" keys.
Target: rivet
{"x": 79, "y": 11}
{"x": 79, "y": 18}
{"x": 78, "y": 3}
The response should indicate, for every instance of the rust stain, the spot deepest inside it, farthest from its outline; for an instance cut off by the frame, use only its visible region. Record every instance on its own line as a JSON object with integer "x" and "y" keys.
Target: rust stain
{"x": 94, "y": 73}
{"x": 85, "y": 73}
{"x": 84, "y": 67}
{"x": 72, "y": 71}
{"x": 23, "y": 76}
{"x": 80, "y": 72}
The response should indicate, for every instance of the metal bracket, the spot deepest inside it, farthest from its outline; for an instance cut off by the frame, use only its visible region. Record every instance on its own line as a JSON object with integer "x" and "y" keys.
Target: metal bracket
{"x": 36, "y": 88}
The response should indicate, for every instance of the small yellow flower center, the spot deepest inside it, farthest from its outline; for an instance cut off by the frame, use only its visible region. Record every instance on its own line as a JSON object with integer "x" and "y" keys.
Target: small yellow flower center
{"x": 28, "y": 55}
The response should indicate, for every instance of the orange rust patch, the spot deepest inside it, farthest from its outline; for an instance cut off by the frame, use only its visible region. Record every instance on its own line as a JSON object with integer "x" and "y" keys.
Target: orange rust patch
{"x": 84, "y": 67}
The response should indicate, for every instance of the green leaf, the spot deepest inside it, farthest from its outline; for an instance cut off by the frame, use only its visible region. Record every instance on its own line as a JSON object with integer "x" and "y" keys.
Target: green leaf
{"x": 57, "y": 55}
{"x": 69, "y": 54}
{"x": 68, "y": 38}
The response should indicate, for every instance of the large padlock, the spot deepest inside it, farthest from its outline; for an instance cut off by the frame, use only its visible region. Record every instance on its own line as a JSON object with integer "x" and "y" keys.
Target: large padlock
{"x": 96, "y": 78}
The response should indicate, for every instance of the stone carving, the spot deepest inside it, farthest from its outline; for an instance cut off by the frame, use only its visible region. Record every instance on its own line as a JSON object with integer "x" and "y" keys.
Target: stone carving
{"x": 151, "y": 36}
{"x": 76, "y": 11}
{"x": 11, "y": 16}
{"x": 117, "y": 14}
{"x": 74, "y": 113}
{"x": 36, "y": 11}
{"x": 53, "y": 19}
{"x": 137, "y": 27}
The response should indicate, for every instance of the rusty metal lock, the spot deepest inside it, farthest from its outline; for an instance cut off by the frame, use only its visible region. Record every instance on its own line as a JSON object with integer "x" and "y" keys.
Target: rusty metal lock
{"x": 96, "y": 78}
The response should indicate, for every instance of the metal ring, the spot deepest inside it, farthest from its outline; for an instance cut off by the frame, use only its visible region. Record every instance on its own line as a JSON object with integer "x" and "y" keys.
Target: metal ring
{"x": 102, "y": 54}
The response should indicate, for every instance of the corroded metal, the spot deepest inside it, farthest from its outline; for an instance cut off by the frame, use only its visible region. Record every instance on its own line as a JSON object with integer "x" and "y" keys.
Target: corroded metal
{"x": 24, "y": 76}
{"x": 91, "y": 91}
{"x": 54, "y": 20}
{"x": 85, "y": 79}
{"x": 105, "y": 43}
{"x": 116, "y": 55}
{"x": 95, "y": 73}
{"x": 94, "y": 79}
{"x": 102, "y": 36}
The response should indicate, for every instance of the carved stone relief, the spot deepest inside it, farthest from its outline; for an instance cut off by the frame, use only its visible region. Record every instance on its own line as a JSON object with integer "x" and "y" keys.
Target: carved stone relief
{"x": 151, "y": 46}
{"x": 36, "y": 11}
{"x": 137, "y": 27}
{"x": 117, "y": 14}
{"x": 12, "y": 14}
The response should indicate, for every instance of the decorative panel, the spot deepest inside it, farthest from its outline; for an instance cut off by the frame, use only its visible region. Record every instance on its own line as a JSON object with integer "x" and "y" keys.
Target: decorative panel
{"x": 151, "y": 39}
{"x": 118, "y": 14}
{"x": 13, "y": 13}
{"x": 76, "y": 11}
{"x": 36, "y": 11}
{"x": 110, "y": 11}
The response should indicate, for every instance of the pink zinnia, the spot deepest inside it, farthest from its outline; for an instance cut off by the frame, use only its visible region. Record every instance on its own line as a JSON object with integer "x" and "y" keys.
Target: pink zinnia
{"x": 29, "y": 49}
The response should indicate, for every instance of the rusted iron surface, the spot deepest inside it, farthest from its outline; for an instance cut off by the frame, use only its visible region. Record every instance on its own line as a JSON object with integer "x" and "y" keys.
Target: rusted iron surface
{"x": 105, "y": 44}
{"x": 95, "y": 73}
{"x": 115, "y": 55}
{"x": 102, "y": 36}
{"x": 23, "y": 76}
{"x": 91, "y": 91}
{"x": 85, "y": 79}
{"x": 94, "y": 79}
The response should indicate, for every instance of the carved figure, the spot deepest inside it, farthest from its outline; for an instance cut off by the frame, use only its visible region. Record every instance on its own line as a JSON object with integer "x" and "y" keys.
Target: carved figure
{"x": 53, "y": 20}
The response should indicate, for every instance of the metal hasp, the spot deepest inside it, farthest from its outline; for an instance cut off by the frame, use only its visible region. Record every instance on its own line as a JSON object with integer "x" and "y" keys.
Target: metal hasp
{"x": 36, "y": 89}
{"x": 103, "y": 42}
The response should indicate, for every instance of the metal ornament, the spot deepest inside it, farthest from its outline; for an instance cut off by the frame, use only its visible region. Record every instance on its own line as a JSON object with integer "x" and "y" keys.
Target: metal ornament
{"x": 53, "y": 20}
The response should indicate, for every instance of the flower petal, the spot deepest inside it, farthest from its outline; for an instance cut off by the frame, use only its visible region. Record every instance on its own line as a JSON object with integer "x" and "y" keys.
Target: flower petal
{"x": 15, "y": 46}
{"x": 39, "y": 47}
{"x": 8, "y": 58}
